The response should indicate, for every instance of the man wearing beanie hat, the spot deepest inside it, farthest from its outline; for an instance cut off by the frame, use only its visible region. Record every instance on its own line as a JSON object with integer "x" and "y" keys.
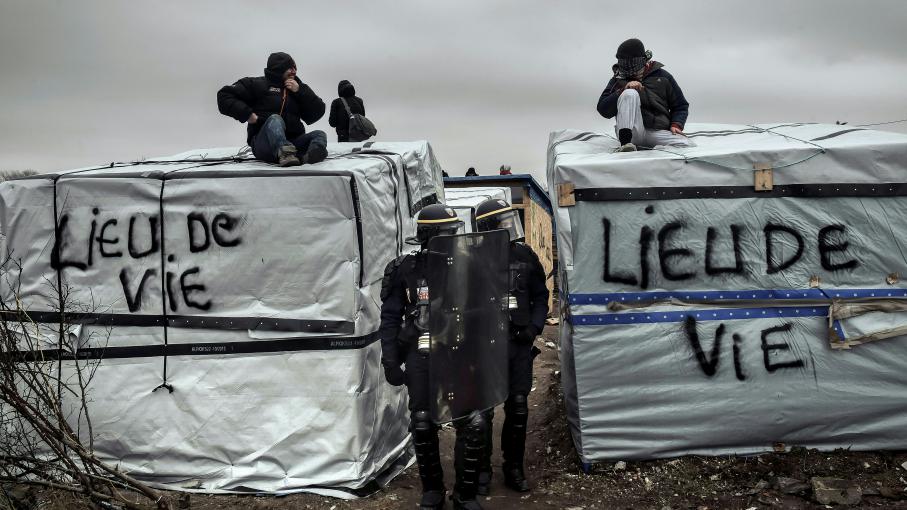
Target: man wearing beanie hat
{"x": 275, "y": 106}
{"x": 648, "y": 103}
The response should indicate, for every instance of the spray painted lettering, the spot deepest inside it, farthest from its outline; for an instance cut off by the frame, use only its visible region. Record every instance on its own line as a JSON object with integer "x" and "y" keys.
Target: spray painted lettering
{"x": 708, "y": 363}
{"x": 143, "y": 239}
{"x": 677, "y": 261}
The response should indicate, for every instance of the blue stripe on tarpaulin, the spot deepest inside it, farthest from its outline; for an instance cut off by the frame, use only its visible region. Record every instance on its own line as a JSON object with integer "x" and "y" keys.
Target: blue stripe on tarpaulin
{"x": 732, "y": 295}
{"x": 721, "y": 314}
{"x": 839, "y": 329}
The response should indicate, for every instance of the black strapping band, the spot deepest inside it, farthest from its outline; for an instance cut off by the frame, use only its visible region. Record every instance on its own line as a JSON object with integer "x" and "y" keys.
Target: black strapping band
{"x": 896, "y": 189}
{"x": 202, "y": 349}
{"x": 185, "y": 321}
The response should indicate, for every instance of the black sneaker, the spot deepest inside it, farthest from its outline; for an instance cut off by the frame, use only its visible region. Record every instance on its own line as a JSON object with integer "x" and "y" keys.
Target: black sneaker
{"x": 432, "y": 500}
{"x": 315, "y": 154}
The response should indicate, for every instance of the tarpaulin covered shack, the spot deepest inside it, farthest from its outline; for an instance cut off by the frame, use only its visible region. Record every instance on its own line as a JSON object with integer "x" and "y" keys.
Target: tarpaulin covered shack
{"x": 734, "y": 296}
{"x": 242, "y": 304}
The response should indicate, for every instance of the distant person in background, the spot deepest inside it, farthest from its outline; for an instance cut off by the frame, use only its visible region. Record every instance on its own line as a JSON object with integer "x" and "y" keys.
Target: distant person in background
{"x": 471, "y": 172}
{"x": 505, "y": 170}
{"x": 444, "y": 173}
{"x": 339, "y": 118}
{"x": 275, "y": 106}
{"x": 648, "y": 103}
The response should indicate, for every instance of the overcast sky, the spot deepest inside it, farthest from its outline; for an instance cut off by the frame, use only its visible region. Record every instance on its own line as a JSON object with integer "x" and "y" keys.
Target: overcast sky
{"x": 90, "y": 82}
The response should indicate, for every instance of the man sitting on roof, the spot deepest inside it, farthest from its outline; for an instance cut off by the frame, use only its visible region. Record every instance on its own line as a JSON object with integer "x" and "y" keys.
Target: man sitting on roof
{"x": 275, "y": 106}
{"x": 648, "y": 103}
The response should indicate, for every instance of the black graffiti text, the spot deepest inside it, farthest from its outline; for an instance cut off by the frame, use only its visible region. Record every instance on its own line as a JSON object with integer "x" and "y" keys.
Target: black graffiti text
{"x": 137, "y": 237}
{"x": 677, "y": 260}
{"x": 709, "y": 362}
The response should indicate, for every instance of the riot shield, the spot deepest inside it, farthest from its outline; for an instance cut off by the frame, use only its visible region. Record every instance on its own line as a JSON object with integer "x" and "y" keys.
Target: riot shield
{"x": 468, "y": 282}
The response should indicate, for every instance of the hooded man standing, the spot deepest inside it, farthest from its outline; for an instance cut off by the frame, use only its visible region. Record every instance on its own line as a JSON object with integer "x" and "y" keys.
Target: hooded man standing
{"x": 648, "y": 103}
{"x": 340, "y": 117}
{"x": 275, "y": 106}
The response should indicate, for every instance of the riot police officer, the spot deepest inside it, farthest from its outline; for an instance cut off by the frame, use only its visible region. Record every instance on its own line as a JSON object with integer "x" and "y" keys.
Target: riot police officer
{"x": 404, "y": 341}
{"x": 527, "y": 318}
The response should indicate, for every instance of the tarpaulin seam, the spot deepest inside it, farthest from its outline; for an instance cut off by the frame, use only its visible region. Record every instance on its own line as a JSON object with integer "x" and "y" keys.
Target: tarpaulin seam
{"x": 164, "y": 294}
{"x": 723, "y": 132}
{"x": 354, "y": 194}
{"x": 837, "y": 133}
{"x": 393, "y": 171}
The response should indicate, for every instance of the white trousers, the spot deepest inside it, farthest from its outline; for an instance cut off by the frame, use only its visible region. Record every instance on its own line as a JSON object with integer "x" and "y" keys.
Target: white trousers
{"x": 629, "y": 116}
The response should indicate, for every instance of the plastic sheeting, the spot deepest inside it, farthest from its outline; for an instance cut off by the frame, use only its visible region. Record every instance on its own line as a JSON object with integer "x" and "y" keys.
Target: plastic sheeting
{"x": 233, "y": 305}
{"x": 699, "y": 317}
{"x": 464, "y": 201}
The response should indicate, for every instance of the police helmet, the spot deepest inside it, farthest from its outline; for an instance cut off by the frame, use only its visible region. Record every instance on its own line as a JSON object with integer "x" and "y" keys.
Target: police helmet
{"x": 495, "y": 213}
{"x": 434, "y": 220}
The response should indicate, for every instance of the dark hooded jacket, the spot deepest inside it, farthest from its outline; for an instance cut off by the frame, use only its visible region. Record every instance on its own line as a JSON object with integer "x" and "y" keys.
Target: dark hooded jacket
{"x": 661, "y": 100}
{"x": 264, "y": 95}
{"x": 338, "y": 118}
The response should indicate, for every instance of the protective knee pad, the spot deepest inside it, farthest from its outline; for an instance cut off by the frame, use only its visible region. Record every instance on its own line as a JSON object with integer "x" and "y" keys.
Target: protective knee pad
{"x": 425, "y": 441}
{"x": 475, "y": 429}
{"x": 518, "y": 406}
{"x": 513, "y": 433}
{"x": 469, "y": 453}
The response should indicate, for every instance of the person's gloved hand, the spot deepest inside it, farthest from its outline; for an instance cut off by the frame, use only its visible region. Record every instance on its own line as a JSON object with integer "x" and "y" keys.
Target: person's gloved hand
{"x": 394, "y": 374}
{"x": 527, "y": 334}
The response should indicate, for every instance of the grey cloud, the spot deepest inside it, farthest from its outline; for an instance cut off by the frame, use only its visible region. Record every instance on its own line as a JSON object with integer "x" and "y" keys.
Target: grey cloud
{"x": 484, "y": 82}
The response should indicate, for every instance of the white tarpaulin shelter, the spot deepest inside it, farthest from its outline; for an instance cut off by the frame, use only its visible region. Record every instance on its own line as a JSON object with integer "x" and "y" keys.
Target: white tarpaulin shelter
{"x": 464, "y": 201}
{"x": 242, "y": 303}
{"x": 735, "y": 295}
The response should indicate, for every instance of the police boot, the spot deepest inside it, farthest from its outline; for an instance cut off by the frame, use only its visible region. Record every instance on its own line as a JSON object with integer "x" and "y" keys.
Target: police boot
{"x": 483, "y": 487}
{"x": 425, "y": 442}
{"x": 467, "y": 458}
{"x": 513, "y": 442}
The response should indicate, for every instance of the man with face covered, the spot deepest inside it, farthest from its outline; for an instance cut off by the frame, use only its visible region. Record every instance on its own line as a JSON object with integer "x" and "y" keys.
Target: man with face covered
{"x": 648, "y": 103}
{"x": 275, "y": 106}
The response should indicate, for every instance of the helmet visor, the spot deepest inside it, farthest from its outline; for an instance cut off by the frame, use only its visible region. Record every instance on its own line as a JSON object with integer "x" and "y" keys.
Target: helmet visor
{"x": 452, "y": 228}
{"x": 425, "y": 232}
{"x": 510, "y": 221}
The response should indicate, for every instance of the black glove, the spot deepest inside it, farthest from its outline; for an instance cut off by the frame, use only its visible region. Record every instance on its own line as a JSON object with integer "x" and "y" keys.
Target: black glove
{"x": 527, "y": 334}
{"x": 394, "y": 374}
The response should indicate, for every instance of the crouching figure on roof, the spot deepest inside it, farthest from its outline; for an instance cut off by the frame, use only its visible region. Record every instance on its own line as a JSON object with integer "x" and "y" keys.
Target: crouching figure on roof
{"x": 648, "y": 103}
{"x": 443, "y": 334}
{"x": 276, "y": 107}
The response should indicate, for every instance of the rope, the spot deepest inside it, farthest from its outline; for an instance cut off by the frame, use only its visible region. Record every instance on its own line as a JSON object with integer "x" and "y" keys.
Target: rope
{"x": 882, "y": 123}
{"x": 687, "y": 159}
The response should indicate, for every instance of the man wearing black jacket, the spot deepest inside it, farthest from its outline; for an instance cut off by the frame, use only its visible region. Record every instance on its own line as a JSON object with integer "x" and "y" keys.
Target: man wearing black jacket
{"x": 648, "y": 103}
{"x": 275, "y": 106}
{"x": 340, "y": 117}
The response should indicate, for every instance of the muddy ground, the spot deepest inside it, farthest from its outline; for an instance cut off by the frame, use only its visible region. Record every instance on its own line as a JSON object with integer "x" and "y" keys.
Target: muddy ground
{"x": 775, "y": 480}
